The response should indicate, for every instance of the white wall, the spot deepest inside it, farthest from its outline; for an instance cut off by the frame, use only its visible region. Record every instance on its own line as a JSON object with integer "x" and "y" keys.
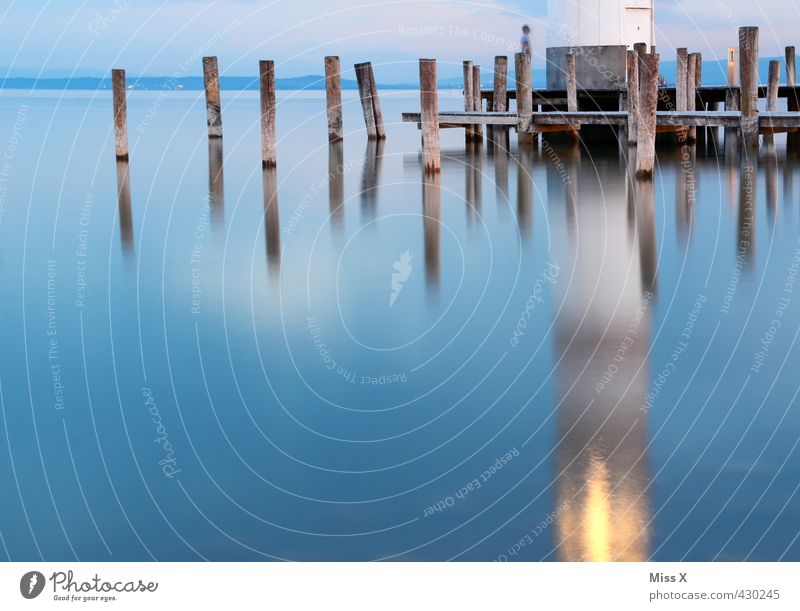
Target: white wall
{"x": 599, "y": 22}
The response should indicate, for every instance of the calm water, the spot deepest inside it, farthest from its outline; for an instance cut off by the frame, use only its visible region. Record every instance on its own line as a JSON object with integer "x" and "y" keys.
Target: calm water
{"x": 530, "y": 357}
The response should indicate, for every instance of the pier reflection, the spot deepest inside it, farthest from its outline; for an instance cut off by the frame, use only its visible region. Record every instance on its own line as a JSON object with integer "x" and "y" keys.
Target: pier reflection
{"x": 431, "y": 211}
{"x": 216, "y": 181}
{"x": 271, "y": 220}
{"x": 124, "y": 206}
{"x": 473, "y": 187}
{"x": 370, "y": 179}
{"x": 525, "y": 191}
{"x": 685, "y": 193}
{"x": 602, "y": 339}
{"x": 336, "y": 185}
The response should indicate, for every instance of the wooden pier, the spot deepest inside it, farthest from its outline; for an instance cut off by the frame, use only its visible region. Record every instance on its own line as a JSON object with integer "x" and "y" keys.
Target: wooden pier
{"x": 643, "y": 108}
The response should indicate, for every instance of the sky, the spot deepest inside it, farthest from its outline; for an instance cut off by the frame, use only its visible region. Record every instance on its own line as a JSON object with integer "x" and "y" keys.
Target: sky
{"x": 49, "y": 38}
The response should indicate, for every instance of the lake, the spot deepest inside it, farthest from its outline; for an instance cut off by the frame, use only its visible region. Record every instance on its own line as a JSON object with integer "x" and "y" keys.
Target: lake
{"x": 530, "y": 356}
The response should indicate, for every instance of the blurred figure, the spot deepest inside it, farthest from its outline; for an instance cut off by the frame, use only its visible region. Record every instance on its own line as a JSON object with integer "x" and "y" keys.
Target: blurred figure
{"x": 525, "y": 41}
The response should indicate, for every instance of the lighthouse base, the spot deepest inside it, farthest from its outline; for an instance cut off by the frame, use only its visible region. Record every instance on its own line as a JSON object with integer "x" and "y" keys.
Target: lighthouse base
{"x": 596, "y": 67}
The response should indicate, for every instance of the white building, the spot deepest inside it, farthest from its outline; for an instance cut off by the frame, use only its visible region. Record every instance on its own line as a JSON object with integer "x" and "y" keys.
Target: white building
{"x": 599, "y": 32}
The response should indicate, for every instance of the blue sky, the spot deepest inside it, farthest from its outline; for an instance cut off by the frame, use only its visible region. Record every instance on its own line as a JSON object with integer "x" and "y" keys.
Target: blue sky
{"x": 159, "y": 37}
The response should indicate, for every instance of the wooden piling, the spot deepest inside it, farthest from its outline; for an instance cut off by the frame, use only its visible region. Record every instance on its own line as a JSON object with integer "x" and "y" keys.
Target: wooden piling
{"x": 522, "y": 77}
{"x": 772, "y": 84}
{"x": 681, "y": 75}
{"x": 500, "y": 99}
{"x": 633, "y": 97}
{"x": 691, "y": 92}
{"x": 213, "y": 103}
{"x": 370, "y": 103}
{"x": 748, "y": 74}
{"x": 572, "y": 84}
{"x": 269, "y": 157}
{"x": 468, "y": 95}
{"x": 376, "y": 104}
{"x": 648, "y": 102}
{"x": 791, "y": 68}
{"x": 477, "y": 104}
{"x": 333, "y": 98}
{"x": 429, "y": 117}
{"x": 120, "y": 113}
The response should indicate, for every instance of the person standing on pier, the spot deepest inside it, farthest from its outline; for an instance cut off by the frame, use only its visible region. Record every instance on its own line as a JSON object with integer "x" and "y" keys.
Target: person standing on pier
{"x": 525, "y": 41}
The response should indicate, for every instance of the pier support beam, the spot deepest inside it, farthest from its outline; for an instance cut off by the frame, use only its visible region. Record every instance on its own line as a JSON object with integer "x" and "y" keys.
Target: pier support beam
{"x": 748, "y": 71}
{"x": 469, "y": 131}
{"x": 522, "y": 77}
{"x": 213, "y": 104}
{"x": 691, "y": 92}
{"x": 266, "y": 70}
{"x": 773, "y": 81}
{"x": 633, "y": 97}
{"x": 477, "y": 103}
{"x": 333, "y": 98}
{"x": 648, "y": 102}
{"x": 429, "y": 118}
{"x": 500, "y": 99}
{"x": 120, "y": 113}
{"x": 681, "y": 75}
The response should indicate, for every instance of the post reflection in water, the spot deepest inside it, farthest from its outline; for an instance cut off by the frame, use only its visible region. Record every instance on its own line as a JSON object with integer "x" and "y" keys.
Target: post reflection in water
{"x": 473, "y": 186}
{"x": 271, "y": 219}
{"x": 336, "y": 185}
{"x": 124, "y": 206}
{"x": 500, "y": 155}
{"x": 370, "y": 178}
{"x": 602, "y": 502}
{"x": 771, "y": 178}
{"x": 216, "y": 182}
{"x": 431, "y": 215}
{"x": 746, "y": 245}
{"x": 685, "y": 193}
{"x": 524, "y": 191}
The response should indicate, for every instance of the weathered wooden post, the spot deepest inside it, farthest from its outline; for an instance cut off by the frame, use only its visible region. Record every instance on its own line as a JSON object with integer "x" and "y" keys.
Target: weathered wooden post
{"x": 477, "y": 104}
{"x": 269, "y": 157}
{"x": 468, "y": 96}
{"x": 633, "y": 97}
{"x": 791, "y": 67}
{"x": 120, "y": 113}
{"x": 213, "y": 104}
{"x": 648, "y": 103}
{"x": 773, "y": 82}
{"x": 376, "y": 104}
{"x": 429, "y": 116}
{"x": 640, "y": 48}
{"x": 792, "y": 102}
{"x": 333, "y": 98}
{"x": 691, "y": 92}
{"x": 748, "y": 73}
{"x": 572, "y": 84}
{"x": 522, "y": 77}
{"x": 370, "y": 103}
{"x": 681, "y": 76}
{"x": 500, "y": 98}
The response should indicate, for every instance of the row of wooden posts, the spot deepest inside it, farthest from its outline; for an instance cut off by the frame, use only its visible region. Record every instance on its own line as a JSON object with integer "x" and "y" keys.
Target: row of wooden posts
{"x": 367, "y": 88}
